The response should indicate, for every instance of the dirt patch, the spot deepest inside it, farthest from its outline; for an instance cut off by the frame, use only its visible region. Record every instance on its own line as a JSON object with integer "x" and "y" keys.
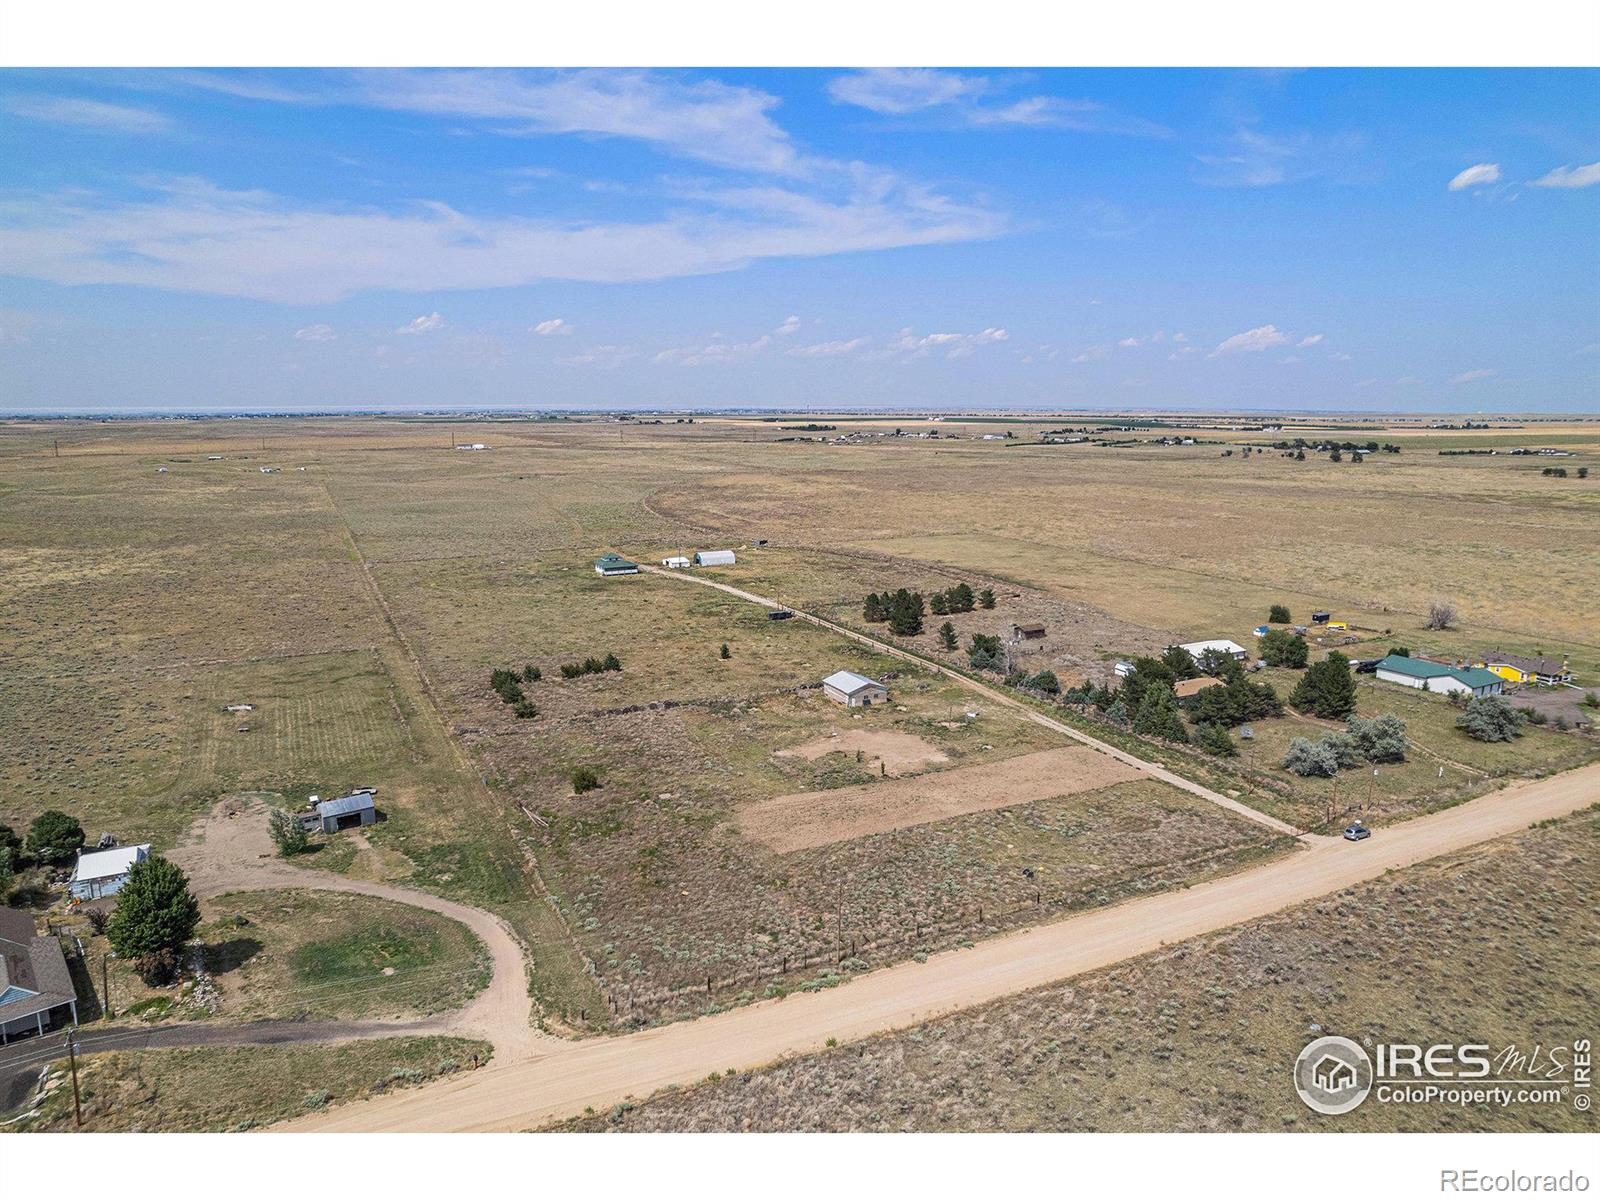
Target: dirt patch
{"x": 807, "y": 819}
{"x": 898, "y": 752}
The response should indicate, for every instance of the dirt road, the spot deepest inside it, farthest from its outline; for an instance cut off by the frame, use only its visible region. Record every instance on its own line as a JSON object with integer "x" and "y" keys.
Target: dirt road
{"x": 233, "y": 853}
{"x": 1000, "y": 697}
{"x": 535, "y": 1092}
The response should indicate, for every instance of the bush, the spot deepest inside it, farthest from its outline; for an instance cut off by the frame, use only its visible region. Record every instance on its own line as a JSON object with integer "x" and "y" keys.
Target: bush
{"x": 611, "y": 663}
{"x": 8, "y": 872}
{"x": 571, "y": 670}
{"x": 505, "y": 684}
{"x": 1046, "y": 682}
{"x": 531, "y": 673}
{"x": 725, "y": 653}
{"x": 986, "y": 598}
{"x": 1146, "y": 673}
{"x": 54, "y": 837}
{"x": 585, "y": 779}
{"x": 985, "y": 654}
{"x": 287, "y": 834}
{"x": 1490, "y": 719}
{"x": 1278, "y": 614}
{"x": 525, "y": 710}
{"x": 1307, "y": 758}
{"x": 1326, "y": 690}
{"x": 10, "y": 841}
{"x": 155, "y": 918}
{"x": 1283, "y": 648}
{"x": 1441, "y": 614}
{"x": 1381, "y": 740}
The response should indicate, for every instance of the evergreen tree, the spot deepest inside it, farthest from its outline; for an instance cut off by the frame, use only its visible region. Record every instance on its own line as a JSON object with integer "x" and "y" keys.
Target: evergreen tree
{"x": 1327, "y": 689}
{"x": 1278, "y": 614}
{"x": 962, "y": 600}
{"x": 1158, "y": 716}
{"x": 1117, "y": 714}
{"x": 1147, "y": 672}
{"x": 947, "y": 636}
{"x": 1046, "y": 682}
{"x": 1214, "y": 739}
{"x": 54, "y": 837}
{"x": 985, "y": 654}
{"x": 155, "y": 918}
{"x": 1282, "y": 648}
{"x": 1180, "y": 662}
{"x": 872, "y": 610}
{"x": 986, "y": 598}
{"x": 940, "y": 604}
{"x": 287, "y": 834}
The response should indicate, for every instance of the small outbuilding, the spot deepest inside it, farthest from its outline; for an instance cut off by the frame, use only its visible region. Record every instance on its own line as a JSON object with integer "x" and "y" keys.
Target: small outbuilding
{"x": 36, "y": 991}
{"x": 1027, "y": 631}
{"x": 714, "y": 558}
{"x": 676, "y": 562}
{"x": 614, "y": 564}
{"x": 854, "y": 691}
{"x": 103, "y": 872}
{"x": 345, "y": 812}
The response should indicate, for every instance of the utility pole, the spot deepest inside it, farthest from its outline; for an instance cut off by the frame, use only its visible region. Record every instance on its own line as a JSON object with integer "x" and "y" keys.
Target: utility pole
{"x": 1371, "y": 786}
{"x": 105, "y": 984}
{"x": 58, "y": 447}
{"x": 72, "y": 1057}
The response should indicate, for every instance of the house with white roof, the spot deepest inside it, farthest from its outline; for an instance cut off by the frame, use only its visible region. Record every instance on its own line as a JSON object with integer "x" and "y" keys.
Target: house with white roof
{"x": 103, "y": 872}
{"x": 1231, "y": 649}
{"x": 854, "y": 691}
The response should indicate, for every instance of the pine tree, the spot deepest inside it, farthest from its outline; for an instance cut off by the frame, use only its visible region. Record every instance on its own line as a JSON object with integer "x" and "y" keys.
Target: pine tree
{"x": 947, "y": 636}
{"x": 961, "y": 599}
{"x": 1327, "y": 689}
{"x": 986, "y": 598}
{"x": 155, "y": 918}
{"x": 1158, "y": 716}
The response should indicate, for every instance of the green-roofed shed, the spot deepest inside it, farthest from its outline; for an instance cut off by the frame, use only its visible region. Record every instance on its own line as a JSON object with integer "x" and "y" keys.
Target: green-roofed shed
{"x": 1439, "y": 677}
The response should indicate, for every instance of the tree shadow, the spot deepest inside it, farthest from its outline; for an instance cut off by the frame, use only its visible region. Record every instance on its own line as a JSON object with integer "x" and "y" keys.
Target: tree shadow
{"x": 222, "y": 957}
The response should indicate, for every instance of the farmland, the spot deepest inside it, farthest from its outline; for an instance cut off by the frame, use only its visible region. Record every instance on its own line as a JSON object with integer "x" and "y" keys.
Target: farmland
{"x": 360, "y": 604}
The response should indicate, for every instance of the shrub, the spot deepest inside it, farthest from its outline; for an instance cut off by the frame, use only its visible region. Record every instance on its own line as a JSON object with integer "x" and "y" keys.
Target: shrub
{"x": 585, "y": 779}
{"x": 612, "y": 663}
{"x": 1046, "y": 682}
{"x": 725, "y": 653}
{"x": 986, "y": 598}
{"x": 156, "y": 916}
{"x": 1380, "y": 740}
{"x": 571, "y": 670}
{"x": 1442, "y": 614}
{"x": 593, "y": 666}
{"x": 1117, "y": 714}
{"x": 1283, "y": 648}
{"x": 525, "y": 710}
{"x": 1307, "y": 758}
{"x": 287, "y": 834}
{"x": 10, "y": 841}
{"x": 1278, "y": 614}
{"x": 318, "y": 1099}
{"x": 1214, "y": 739}
{"x": 8, "y": 873}
{"x": 54, "y": 837}
{"x": 985, "y": 654}
{"x": 1326, "y": 690}
{"x": 1490, "y": 719}
{"x": 532, "y": 673}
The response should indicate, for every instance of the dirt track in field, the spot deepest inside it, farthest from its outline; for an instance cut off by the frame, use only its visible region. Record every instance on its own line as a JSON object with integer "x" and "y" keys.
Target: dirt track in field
{"x": 898, "y": 752}
{"x": 805, "y": 819}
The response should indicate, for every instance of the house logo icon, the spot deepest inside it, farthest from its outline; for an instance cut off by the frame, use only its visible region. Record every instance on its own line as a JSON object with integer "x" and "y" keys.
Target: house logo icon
{"x": 1332, "y": 1075}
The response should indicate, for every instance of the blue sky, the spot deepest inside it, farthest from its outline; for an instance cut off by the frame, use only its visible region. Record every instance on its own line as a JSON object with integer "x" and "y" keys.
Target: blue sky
{"x": 1360, "y": 239}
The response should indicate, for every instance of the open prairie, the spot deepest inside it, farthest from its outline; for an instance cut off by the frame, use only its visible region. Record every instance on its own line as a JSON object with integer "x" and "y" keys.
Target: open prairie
{"x": 358, "y": 595}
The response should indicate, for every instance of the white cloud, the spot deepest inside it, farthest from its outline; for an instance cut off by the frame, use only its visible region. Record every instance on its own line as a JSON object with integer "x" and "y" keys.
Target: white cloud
{"x": 829, "y": 349}
{"x": 1311, "y": 339}
{"x": 717, "y": 353}
{"x": 1250, "y": 157}
{"x": 87, "y": 114}
{"x": 1473, "y": 376}
{"x": 1129, "y": 342}
{"x": 790, "y": 325}
{"x": 425, "y": 324}
{"x": 1477, "y": 176}
{"x": 1570, "y": 177}
{"x": 315, "y": 333}
{"x": 903, "y": 90}
{"x": 1089, "y": 355}
{"x": 554, "y": 327}
{"x": 897, "y": 91}
{"x": 1180, "y": 337}
{"x": 1260, "y": 338}
{"x": 954, "y": 345}
{"x": 194, "y": 237}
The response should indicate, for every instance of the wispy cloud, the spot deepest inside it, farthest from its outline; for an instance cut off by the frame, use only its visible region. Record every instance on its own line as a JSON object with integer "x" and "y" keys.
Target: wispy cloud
{"x": 195, "y": 237}
{"x": 87, "y": 114}
{"x": 952, "y": 345}
{"x": 829, "y": 349}
{"x": 1569, "y": 177}
{"x": 1474, "y": 376}
{"x": 971, "y": 101}
{"x": 604, "y": 357}
{"x": 716, "y": 353}
{"x": 425, "y": 324}
{"x": 1251, "y": 157}
{"x": 1477, "y": 176}
{"x": 554, "y": 327}
{"x": 1262, "y": 337}
{"x": 315, "y": 333}
{"x": 1311, "y": 339}
{"x": 790, "y": 325}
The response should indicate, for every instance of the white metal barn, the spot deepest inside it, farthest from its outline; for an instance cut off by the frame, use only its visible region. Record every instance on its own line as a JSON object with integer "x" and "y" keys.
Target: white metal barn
{"x": 854, "y": 691}
{"x": 1436, "y": 677}
{"x": 714, "y": 558}
{"x": 1231, "y": 649}
{"x": 676, "y": 562}
{"x": 103, "y": 872}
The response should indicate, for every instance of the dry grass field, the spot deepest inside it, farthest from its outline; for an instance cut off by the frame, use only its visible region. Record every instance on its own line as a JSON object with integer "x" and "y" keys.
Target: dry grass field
{"x": 360, "y": 594}
{"x": 1497, "y": 945}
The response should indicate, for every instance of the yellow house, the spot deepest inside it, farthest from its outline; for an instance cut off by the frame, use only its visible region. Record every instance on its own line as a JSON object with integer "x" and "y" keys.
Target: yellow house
{"x": 1517, "y": 668}
{"x": 1507, "y": 672}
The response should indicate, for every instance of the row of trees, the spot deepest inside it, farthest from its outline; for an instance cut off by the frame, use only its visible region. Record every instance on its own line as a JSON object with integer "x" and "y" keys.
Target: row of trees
{"x": 590, "y": 666}
{"x": 1379, "y": 740}
{"x": 959, "y": 599}
{"x": 902, "y": 609}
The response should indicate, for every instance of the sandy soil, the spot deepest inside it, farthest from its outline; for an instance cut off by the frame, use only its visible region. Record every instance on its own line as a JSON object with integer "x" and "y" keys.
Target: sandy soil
{"x": 898, "y": 752}
{"x": 599, "y": 1072}
{"x": 232, "y": 852}
{"x": 805, "y": 819}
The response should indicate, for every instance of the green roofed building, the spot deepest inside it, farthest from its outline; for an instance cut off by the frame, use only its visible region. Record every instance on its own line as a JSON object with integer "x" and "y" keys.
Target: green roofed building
{"x": 614, "y": 564}
{"x": 1438, "y": 677}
